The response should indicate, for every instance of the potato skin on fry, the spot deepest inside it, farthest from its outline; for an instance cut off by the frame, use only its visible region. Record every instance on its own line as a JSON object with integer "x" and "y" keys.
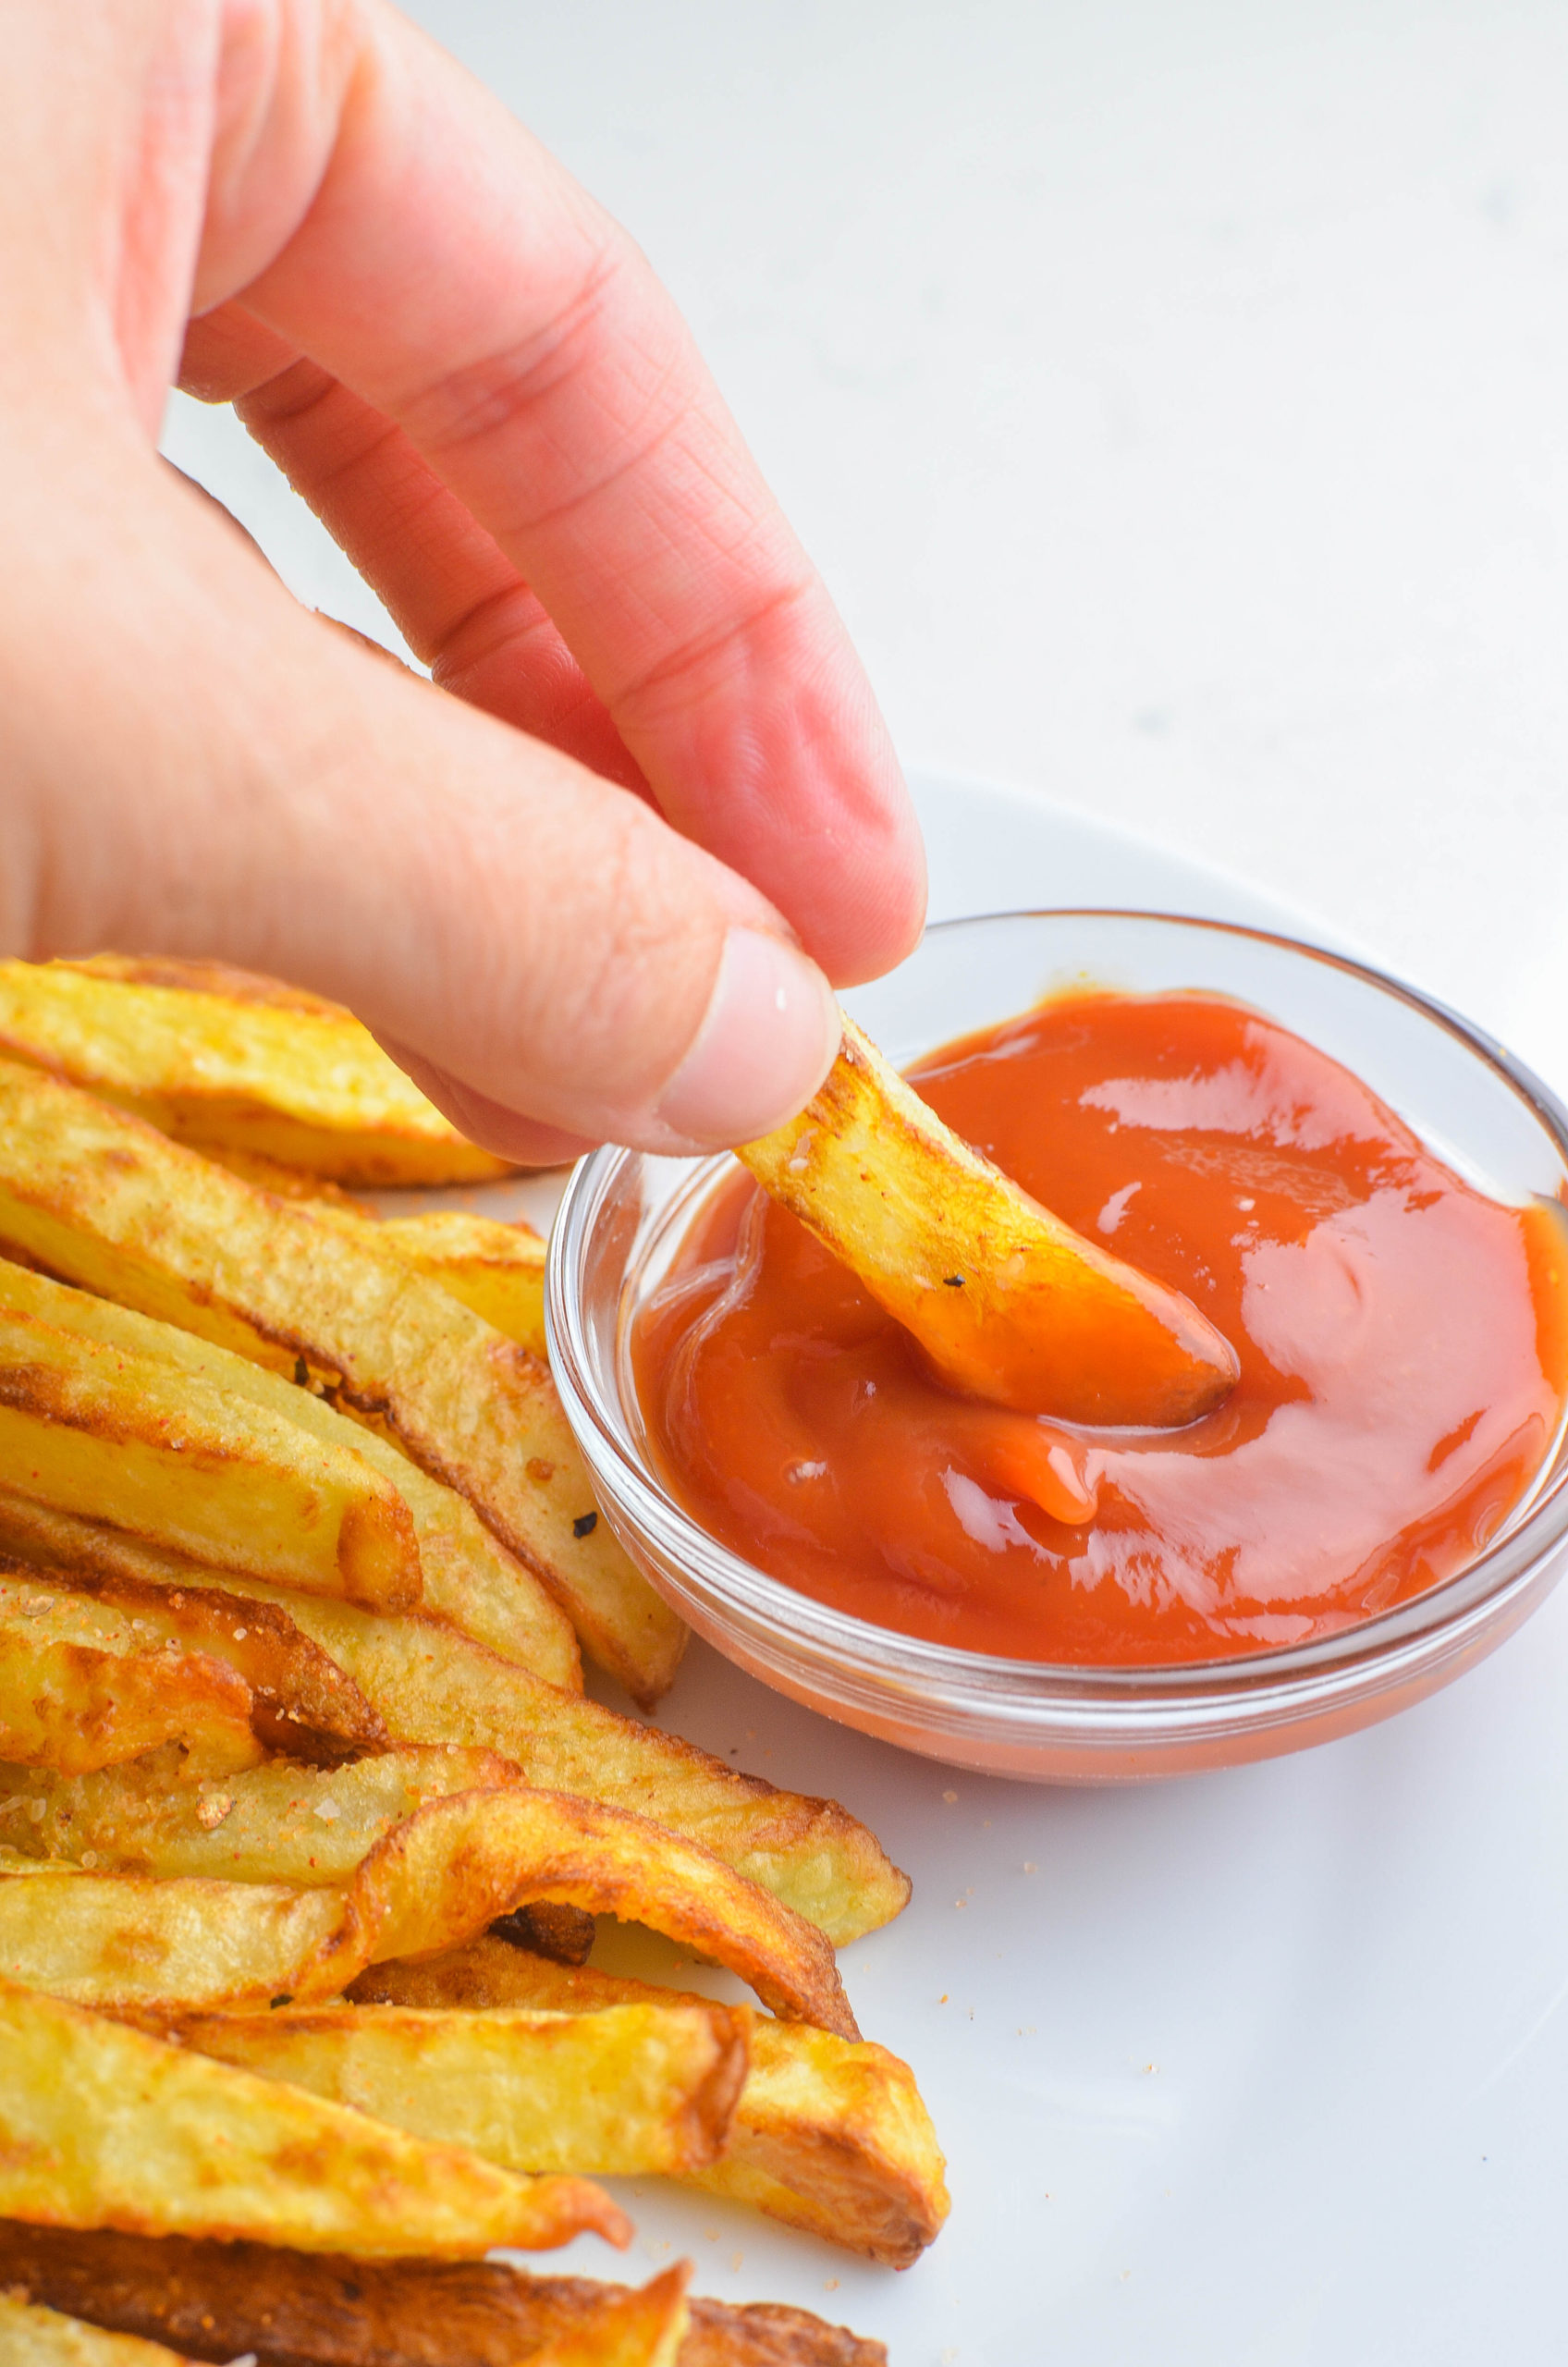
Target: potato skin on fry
{"x": 101, "y": 2126}
{"x": 829, "y": 2136}
{"x": 296, "y": 2310}
{"x": 81, "y": 1689}
{"x": 212, "y": 1055}
{"x": 110, "y": 1204}
{"x": 124, "y": 1943}
{"x": 1010, "y": 1304}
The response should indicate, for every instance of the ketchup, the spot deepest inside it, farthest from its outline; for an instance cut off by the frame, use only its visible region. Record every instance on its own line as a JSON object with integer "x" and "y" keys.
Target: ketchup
{"x": 1401, "y": 1337}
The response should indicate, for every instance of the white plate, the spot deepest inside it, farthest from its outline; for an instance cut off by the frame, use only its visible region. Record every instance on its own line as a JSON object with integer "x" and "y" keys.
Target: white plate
{"x": 1266, "y": 2067}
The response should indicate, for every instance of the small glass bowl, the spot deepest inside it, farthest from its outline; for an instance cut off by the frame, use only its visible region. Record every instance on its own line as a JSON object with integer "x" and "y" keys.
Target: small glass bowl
{"x": 624, "y": 1214}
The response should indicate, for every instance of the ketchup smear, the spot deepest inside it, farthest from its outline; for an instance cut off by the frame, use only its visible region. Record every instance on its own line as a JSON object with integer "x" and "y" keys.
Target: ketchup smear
{"x": 1401, "y": 1336}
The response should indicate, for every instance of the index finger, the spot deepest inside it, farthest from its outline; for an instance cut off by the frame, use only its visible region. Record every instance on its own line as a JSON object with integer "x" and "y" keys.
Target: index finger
{"x": 451, "y": 273}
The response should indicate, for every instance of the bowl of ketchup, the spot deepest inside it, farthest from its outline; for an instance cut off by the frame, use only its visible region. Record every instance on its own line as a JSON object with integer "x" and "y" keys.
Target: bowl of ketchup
{"x": 1366, "y": 1195}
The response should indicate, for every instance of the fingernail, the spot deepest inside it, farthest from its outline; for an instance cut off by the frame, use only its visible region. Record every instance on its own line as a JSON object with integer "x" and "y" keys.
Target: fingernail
{"x": 766, "y": 1041}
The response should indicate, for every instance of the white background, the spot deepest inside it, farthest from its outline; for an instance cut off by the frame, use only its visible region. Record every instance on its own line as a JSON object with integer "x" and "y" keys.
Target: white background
{"x": 1174, "y": 392}
{"x": 1175, "y": 397}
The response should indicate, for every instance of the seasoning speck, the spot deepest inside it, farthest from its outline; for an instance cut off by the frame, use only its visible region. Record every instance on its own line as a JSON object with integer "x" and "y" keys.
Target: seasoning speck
{"x": 585, "y": 1523}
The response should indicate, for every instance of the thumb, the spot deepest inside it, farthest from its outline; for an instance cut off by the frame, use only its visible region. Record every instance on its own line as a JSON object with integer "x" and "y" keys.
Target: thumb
{"x": 194, "y": 765}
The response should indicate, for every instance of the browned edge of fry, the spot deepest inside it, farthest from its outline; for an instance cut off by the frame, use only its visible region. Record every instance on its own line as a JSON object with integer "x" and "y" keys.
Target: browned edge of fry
{"x": 216, "y": 2301}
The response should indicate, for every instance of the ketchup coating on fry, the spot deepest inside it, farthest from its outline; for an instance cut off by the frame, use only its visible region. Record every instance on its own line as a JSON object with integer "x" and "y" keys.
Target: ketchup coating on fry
{"x": 1402, "y": 1339}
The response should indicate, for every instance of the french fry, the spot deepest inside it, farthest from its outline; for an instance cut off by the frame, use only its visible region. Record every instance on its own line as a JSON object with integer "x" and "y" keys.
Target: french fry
{"x": 431, "y": 1685}
{"x": 1008, "y": 1303}
{"x": 104, "y": 2127}
{"x": 82, "y": 1689}
{"x": 623, "y": 2091}
{"x": 292, "y": 2311}
{"x": 123, "y": 1943}
{"x": 446, "y": 1872}
{"x": 304, "y": 1826}
{"x": 215, "y": 1056}
{"x": 829, "y": 2135}
{"x": 301, "y": 1702}
{"x": 156, "y": 1950}
{"x": 498, "y": 1270}
{"x": 33, "y": 2338}
{"x": 108, "y": 1202}
{"x": 126, "y": 1437}
{"x": 468, "y": 1578}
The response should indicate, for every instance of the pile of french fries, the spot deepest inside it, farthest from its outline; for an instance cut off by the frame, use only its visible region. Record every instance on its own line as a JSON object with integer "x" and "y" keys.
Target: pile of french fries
{"x": 304, "y": 1815}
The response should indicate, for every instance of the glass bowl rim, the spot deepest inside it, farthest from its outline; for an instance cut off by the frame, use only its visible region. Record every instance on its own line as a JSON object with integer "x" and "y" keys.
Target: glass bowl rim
{"x": 1466, "y": 1599}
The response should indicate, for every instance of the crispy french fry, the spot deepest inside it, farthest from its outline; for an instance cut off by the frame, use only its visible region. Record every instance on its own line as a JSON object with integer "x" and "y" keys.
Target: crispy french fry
{"x": 829, "y": 2136}
{"x": 110, "y": 1204}
{"x": 126, "y": 1944}
{"x": 214, "y": 1056}
{"x": 121, "y": 1944}
{"x": 498, "y": 1270}
{"x": 1008, "y": 1303}
{"x": 306, "y": 1826}
{"x": 80, "y": 1688}
{"x": 468, "y": 1578}
{"x": 214, "y": 2299}
{"x": 301, "y": 1702}
{"x": 621, "y": 2092}
{"x": 101, "y": 2126}
{"x": 431, "y": 1686}
{"x": 125, "y": 1436}
{"x": 36, "y": 2337}
{"x": 446, "y": 1872}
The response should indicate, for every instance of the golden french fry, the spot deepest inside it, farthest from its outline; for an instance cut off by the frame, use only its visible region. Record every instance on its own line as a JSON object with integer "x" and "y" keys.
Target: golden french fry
{"x": 35, "y": 2337}
{"x": 126, "y": 1437}
{"x": 306, "y": 1826}
{"x": 215, "y": 1056}
{"x": 230, "y": 2297}
{"x": 126, "y": 1944}
{"x": 122, "y": 1944}
{"x": 829, "y": 2135}
{"x": 109, "y": 1203}
{"x": 301, "y": 1702}
{"x": 1008, "y": 1303}
{"x": 498, "y": 1270}
{"x": 101, "y": 2126}
{"x": 80, "y": 1688}
{"x": 431, "y": 1686}
{"x": 469, "y": 1577}
{"x": 446, "y": 1872}
{"x": 629, "y": 2090}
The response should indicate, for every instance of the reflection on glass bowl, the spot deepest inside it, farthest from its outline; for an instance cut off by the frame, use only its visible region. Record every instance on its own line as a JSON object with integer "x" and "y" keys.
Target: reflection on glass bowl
{"x": 623, "y": 1216}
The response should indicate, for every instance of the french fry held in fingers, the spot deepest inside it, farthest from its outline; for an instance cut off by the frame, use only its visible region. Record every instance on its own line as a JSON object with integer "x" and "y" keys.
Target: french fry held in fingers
{"x": 431, "y": 1686}
{"x": 124, "y": 1943}
{"x": 216, "y": 2301}
{"x": 625, "y": 2091}
{"x": 35, "y": 2337}
{"x": 1010, "y": 1304}
{"x": 80, "y": 1688}
{"x": 218, "y": 1057}
{"x": 468, "y": 1577}
{"x": 163, "y": 1453}
{"x": 111, "y": 1205}
{"x": 829, "y": 2135}
{"x": 103, "y": 2125}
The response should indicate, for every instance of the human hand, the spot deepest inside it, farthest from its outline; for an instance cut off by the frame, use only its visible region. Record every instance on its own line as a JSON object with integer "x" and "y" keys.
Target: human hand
{"x": 594, "y": 894}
